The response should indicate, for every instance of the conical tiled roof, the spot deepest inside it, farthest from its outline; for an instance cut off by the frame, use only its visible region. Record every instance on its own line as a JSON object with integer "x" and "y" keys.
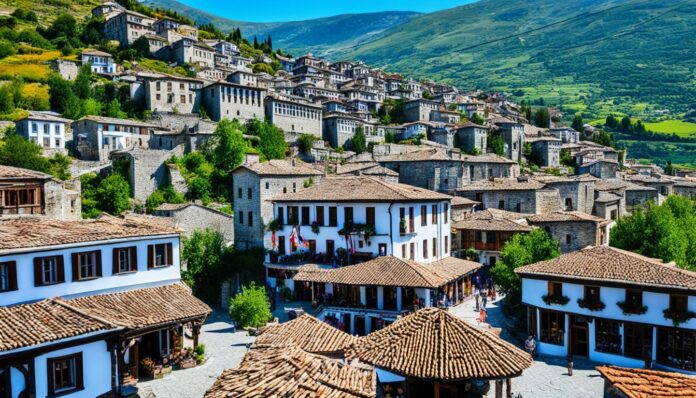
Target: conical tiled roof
{"x": 308, "y": 333}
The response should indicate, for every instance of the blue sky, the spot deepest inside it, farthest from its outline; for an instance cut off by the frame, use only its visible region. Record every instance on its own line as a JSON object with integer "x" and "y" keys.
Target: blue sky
{"x": 285, "y": 10}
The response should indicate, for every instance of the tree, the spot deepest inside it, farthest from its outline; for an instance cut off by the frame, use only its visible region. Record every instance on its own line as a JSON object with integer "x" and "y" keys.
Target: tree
{"x": 229, "y": 145}
{"x": 142, "y": 47}
{"x": 541, "y": 118}
{"x": 63, "y": 26}
{"x": 669, "y": 169}
{"x": 496, "y": 144}
{"x": 359, "y": 142}
{"x": 578, "y": 124}
{"x": 271, "y": 142}
{"x": 625, "y": 124}
{"x": 199, "y": 189}
{"x": 476, "y": 118}
{"x": 306, "y": 142}
{"x": 82, "y": 86}
{"x": 250, "y": 308}
{"x": 522, "y": 249}
{"x": 269, "y": 42}
{"x": 611, "y": 122}
{"x": 113, "y": 194}
{"x": 566, "y": 159}
{"x": 6, "y": 48}
{"x": 256, "y": 43}
{"x": 204, "y": 253}
{"x": 666, "y": 231}
{"x": 18, "y": 152}
{"x": 59, "y": 166}
{"x": 60, "y": 94}
{"x": 162, "y": 195}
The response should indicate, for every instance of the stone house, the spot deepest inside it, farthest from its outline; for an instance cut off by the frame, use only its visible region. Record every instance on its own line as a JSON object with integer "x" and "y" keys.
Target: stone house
{"x": 445, "y": 116}
{"x": 148, "y": 169}
{"x": 340, "y": 128}
{"x": 188, "y": 51}
{"x": 419, "y": 110}
{"x": 100, "y": 62}
{"x": 107, "y": 10}
{"x": 471, "y": 136}
{"x": 600, "y": 168}
{"x": 577, "y": 193}
{"x": 31, "y": 193}
{"x": 664, "y": 186}
{"x": 190, "y": 217}
{"x": 159, "y": 46}
{"x": 546, "y": 150}
{"x": 487, "y": 166}
{"x": 685, "y": 188}
{"x": 127, "y": 27}
{"x": 368, "y": 169}
{"x": 44, "y": 129}
{"x": 442, "y": 135}
{"x": 253, "y": 185}
{"x": 97, "y": 136}
{"x": 174, "y": 31}
{"x": 168, "y": 93}
{"x": 573, "y": 230}
{"x": 513, "y": 138}
{"x": 416, "y": 129}
{"x": 462, "y": 208}
{"x": 630, "y": 195}
{"x": 434, "y": 169}
{"x": 224, "y": 100}
{"x": 566, "y": 134}
{"x": 243, "y": 78}
{"x": 520, "y": 195}
{"x": 294, "y": 115}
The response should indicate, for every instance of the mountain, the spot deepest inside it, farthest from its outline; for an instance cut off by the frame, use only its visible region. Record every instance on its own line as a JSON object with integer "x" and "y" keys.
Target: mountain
{"x": 323, "y": 36}
{"x": 592, "y": 56}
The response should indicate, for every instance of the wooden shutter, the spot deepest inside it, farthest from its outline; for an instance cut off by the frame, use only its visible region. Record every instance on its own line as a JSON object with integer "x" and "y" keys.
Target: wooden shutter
{"x": 98, "y": 256}
{"x": 114, "y": 265}
{"x": 12, "y": 274}
{"x": 170, "y": 257}
{"x": 133, "y": 258}
{"x": 151, "y": 256}
{"x": 38, "y": 275}
{"x": 75, "y": 267}
{"x": 79, "y": 375}
{"x": 61, "y": 268}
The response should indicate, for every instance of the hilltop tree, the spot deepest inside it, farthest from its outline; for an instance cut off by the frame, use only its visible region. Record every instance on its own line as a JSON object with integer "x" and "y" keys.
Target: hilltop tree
{"x": 625, "y": 124}
{"x": 269, "y": 43}
{"x": 359, "y": 142}
{"x": 256, "y": 43}
{"x": 230, "y": 146}
{"x": 611, "y": 122}
{"x": 271, "y": 143}
{"x": 541, "y": 118}
{"x": 578, "y": 124}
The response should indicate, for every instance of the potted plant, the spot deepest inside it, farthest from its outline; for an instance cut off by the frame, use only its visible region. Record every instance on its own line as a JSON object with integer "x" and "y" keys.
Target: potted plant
{"x": 553, "y": 299}
{"x": 402, "y": 225}
{"x": 678, "y": 317}
{"x": 591, "y": 305}
{"x": 148, "y": 366}
{"x": 315, "y": 227}
{"x": 632, "y": 309}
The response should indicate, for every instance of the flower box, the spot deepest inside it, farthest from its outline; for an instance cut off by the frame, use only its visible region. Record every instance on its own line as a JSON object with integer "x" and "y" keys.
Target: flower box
{"x": 678, "y": 318}
{"x": 631, "y": 309}
{"x": 591, "y": 305}
{"x": 560, "y": 300}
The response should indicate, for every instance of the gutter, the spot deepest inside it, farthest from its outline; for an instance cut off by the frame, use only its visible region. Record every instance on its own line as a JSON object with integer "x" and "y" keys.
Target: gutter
{"x": 50, "y": 343}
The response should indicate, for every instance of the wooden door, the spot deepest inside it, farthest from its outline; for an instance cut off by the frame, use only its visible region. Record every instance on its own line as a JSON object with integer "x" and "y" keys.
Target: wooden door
{"x": 579, "y": 341}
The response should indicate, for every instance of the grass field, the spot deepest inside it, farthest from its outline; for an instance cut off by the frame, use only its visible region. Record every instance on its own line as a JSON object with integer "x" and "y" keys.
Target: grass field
{"x": 30, "y": 67}
{"x": 678, "y": 127}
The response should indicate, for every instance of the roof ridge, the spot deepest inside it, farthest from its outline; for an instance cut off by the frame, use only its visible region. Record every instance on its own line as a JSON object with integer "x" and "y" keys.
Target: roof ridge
{"x": 63, "y": 303}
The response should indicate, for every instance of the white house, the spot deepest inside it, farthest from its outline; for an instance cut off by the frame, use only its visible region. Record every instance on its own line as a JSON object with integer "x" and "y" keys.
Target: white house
{"x": 99, "y": 61}
{"x": 82, "y": 302}
{"x": 614, "y": 307}
{"x": 44, "y": 129}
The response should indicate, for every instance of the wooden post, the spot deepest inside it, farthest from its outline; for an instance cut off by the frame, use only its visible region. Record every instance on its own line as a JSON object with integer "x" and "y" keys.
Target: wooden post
{"x": 508, "y": 388}
{"x": 498, "y": 389}
{"x": 196, "y": 331}
{"x": 436, "y": 389}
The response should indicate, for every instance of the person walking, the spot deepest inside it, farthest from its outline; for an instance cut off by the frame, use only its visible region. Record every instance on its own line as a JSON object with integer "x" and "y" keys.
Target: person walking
{"x": 478, "y": 304}
{"x": 530, "y": 346}
{"x": 484, "y": 300}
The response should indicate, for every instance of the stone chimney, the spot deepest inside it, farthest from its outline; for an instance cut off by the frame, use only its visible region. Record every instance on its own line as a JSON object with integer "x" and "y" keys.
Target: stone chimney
{"x": 251, "y": 158}
{"x": 292, "y": 162}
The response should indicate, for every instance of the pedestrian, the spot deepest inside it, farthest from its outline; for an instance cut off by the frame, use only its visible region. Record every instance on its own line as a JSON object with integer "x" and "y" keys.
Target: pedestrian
{"x": 536, "y": 344}
{"x": 484, "y": 300}
{"x": 482, "y": 315}
{"x": 530, "y": 345}
{"x": 478, "y": 304}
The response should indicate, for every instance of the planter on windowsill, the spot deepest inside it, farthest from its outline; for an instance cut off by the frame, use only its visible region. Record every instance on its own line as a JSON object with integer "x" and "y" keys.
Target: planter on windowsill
{"x": 591, "y": 305}
{"x": 632, "y": 309}
{"x": 678, "y": 318}
{"x": 560, "y": 300}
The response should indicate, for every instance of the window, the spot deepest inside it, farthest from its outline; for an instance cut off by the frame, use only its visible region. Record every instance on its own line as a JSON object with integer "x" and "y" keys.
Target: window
{"x": 555, "y": 289}
{"x": 320, "y": 216}
{"x": 592, "y": 294}
{"x": 424, "y": 216}
{"x": 48, "y": 270}
{"x": 676, "y": 348}
{"x": 425, "y": 248}
{"x": 294, "y": 187}
{"x": 281, "y": 216}
{"x": 248, "y": 193}
{"x": 293, "y": 216}
{"x": 333, "y": 218}
{"x": 305, "y": 215}
{"x": 281, "y": 245}
{"x": 402, "y": 221}
{"x": 8, "y": 276}
{"x": 267, "y": 185}
{"x": 446, "y": 239}
{"x": 240, "y": 218}
{"x": 634, "y": 298}
{"x": 330, "y": 248}
{"x": 239, "y": 193}
{"x": 569, "y": 239}
{"x": 403, "y": 251}
{"x": 412, "y": 251}
{"x": 678, "y": 304}
{"x": 552, "y": 327}
{"x": 347, "y": 216}
{"x": 160, "y": 255}
{"x": 491, "y": 236}
{"x": 435, "y": 247}
{"x": 411, "y": 216}
{"x": 250, "y": 219}
{"x": 637, "y": 340}
{"x": 568, "y": 204}
{"x": 65, "y": 374}
{"x": 86, "y": 265}
{"x": 501, "y": 204}
{"x": 370, "y": 216}
{"x": 125, "y": 260}
{"x": 607, "y": 336}
{"x": 445, "y": 215}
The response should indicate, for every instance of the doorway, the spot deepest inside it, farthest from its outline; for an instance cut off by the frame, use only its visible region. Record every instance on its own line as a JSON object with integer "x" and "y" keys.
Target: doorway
{"x": 579, "y": 337}
{"x": 5, "y": 383}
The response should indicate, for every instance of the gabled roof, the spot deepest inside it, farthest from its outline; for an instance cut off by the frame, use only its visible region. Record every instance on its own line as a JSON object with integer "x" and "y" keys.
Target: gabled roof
{"x": 391, "y": 271}
{"x": 44, "y": 322}
{"x": 566, "y": 216}
{"x": 360, "y": 189}
{"x": 486, "y": 158}
{"x": 433, "y": 344}
{"x": 277, "y": 167}
{"x": 291, "y": 372}
{"x": 422, "y": 155}
{"x": 308, "y": 333}
{"x": 609, "y": 264}
{"x": 470, "y": 124}
{"x": 462, "y": 201}
{"x": 503, "y": 184}
{"x": 45, "y": 116}
{"x": 16, "y": 173}
{"x": 489, "y": 220}
{"x": 97, "y": 53}
{"x": 113, "y": 120}
{"x": 646, "y": 383}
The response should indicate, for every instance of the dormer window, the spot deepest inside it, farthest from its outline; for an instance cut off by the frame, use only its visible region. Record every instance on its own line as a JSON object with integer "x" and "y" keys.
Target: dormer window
{"x": 160, "y": 255}
{"x": 48, "y": 270}
{"x": 86, "y": 265}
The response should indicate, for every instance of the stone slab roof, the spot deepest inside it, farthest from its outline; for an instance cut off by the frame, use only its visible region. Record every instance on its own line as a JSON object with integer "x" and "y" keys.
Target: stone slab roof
{"x": 566, "y": 216}
{"x": 360, "y": 189}
{"x": 605, "y": 197}
{"x": 46, "y": 117}
{"x": 16, "y": 173}
{"x": 91, "y": 51}
{"x": 469, "y": 124}
{"x": 487, "y": 158}
{"x": 423, "y": 155}
{"x": 645, "y": 383}
{"x": 503, "y": 184}
{"x": 43, "y": 322}
{"x": 291, "y": 372}
{"x": 462, "y": 201}
{"x": 21, "y": 233}
{"x": 609, "y": 264}
{"x": 494, "y": 220}
{"x": 365, "y": 168}
{"x": 113, "y": 120}
{"x": 144, "y": 308}
{"x": 279, "y": 167}
{"x": 433, "y": 344}
{"x": 391, "y": 271}
{"x": 614, "y": 184}
{"x": 307, "y": 333}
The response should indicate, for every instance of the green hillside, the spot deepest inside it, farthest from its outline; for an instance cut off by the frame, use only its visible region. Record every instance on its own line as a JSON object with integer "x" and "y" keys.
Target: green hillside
{"x": 321, "y": 36}
{"x": 48, "y": 10}
{"x": 591, "y": 56}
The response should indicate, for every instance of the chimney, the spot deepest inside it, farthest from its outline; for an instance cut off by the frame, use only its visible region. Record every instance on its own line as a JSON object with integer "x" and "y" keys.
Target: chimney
{"x": 292, "y": 161}
{"x": 251, "y": 158}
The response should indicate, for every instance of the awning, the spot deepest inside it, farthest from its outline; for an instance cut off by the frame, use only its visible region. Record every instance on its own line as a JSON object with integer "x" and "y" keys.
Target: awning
{"x": 385, "y": 376}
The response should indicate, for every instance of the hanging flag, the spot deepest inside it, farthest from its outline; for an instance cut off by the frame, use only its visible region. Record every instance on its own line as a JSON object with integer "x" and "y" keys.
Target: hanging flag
{"x": 352, "y": 245}
{"x": 293, "y": 240}
{"x": 300, "y": 239}
{"x": 273, "y": 240}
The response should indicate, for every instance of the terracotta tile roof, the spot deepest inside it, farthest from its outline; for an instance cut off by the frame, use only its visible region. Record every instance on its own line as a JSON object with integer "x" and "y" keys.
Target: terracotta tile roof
{"x": 613, "y": 184}
{"x": 503, "y": 184}
{"x": 645, "y": 383}
{"x": 362, "y": 189}
{"x": 291, "y": 372}
{"x": 365, "y": 168}
{"x": 494, "y": 220}
{"x": 39, "y": 232}
{"x": 16, "y": 173}
{"x": 279, "y": 167}
{"x": 433, "y": 344}
{"x": 421, "y": 155}
{"x": 390, "y": 271}
{"x": 142, "y": 308}
{"x": 604, "y": 263}
{"x": 42, "y": 322}
{"x": 462, "y": 201}
{"x": 566, "y": 216}
{"x": 308, "y": 333}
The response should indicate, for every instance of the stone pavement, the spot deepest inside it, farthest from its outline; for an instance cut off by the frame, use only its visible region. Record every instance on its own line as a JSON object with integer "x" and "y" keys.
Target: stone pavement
{"x": 548, "y": 376}
{"x": 223, "y": 350}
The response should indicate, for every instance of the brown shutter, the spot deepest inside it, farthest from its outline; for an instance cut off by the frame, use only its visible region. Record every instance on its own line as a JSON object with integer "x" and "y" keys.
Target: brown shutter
{"x": 150, "y": 256}
{"x": 75, "y": 267}
{"x": 61, "y": 268}
{"x": 133, "y": 258}
{"x": 114, "y": 265}
{"x": 51, "y": 383}
{"x": 98, "y": 255}
{"x": 79, "y": 375}
{"x": 38, "y": 276}
{"x": 12, "y": 274}
{"x": 170, "y": 257}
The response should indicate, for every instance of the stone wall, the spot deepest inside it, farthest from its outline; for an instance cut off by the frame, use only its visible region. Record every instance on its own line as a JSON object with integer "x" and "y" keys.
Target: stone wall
{"x": 148, "y": 170}
{"x": 63, "y": 199}
{"x": 477, "y": 171}
{"x": 197, "y": 217}
{"x": 635, "y": 198}
{"x": 548, "y": 200}
{"x": 572, "y": 236}
{"x": 177, "y": 180}
{"x": 441, "y": 176}
{"x": 578, "y": 194}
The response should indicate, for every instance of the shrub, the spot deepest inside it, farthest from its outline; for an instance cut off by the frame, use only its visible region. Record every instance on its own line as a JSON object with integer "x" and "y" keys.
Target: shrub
{"x": 306, "y": 142}
{"x": 250, "y": 307}
{"x": 200, "y": 349}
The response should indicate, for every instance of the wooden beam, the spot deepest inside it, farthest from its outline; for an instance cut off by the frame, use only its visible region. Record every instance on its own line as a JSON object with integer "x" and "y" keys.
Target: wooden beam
{"x": 508, "y": 388}
{"x": 498, "y": 389}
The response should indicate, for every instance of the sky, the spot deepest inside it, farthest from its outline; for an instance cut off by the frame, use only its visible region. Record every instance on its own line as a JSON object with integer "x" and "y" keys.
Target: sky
{"x": 284, "y": 10}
